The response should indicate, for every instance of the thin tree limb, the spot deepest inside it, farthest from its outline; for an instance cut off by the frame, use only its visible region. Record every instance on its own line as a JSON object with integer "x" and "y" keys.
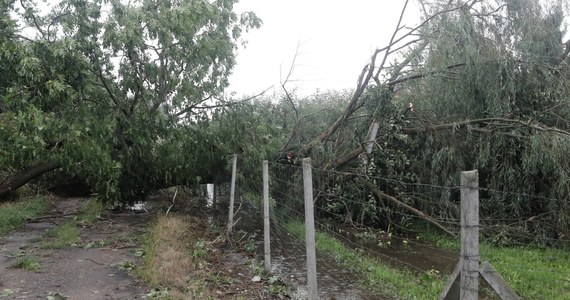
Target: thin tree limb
{"x": 379, "y": 194}
{"x": 487, "y": 121}
{"x": 224, "y": 104}
{"x": 390, "y": 44}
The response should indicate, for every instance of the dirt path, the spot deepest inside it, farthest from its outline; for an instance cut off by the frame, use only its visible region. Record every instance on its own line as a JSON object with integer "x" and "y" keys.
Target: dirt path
{"x": 93, "y": 269}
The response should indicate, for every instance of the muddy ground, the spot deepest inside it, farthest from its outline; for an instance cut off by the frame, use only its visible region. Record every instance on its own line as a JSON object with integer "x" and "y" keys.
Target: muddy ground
{"x": 87, "y": 270}
{"x": 98, "y": 266}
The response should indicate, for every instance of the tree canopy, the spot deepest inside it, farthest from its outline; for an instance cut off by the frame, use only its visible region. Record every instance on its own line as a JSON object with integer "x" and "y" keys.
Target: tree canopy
{"x": 121, "y": 95}
{"x": 110, "y": 90}
{"x": 476, "y": 85}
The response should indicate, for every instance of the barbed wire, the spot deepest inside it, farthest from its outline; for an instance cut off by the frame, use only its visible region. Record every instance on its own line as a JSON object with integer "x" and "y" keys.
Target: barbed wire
{"x": 483, "y": 226}
{"x": 416, "y": 196}
{"x": 286, "y": 188}
{"x": 386, "y": 179}
{"x": 450, "y": 187}
{"x": 411, "y": 241}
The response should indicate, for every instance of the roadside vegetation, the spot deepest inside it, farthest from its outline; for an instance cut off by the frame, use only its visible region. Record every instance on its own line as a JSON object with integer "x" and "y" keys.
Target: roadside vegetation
{"x": 495, "y": 100}
{"x": 533, "y": 271}
{"x": 377, "y": 275}
{"x": 476, "y": 84}
{"x": 91, "y": 212}
{"x": 62, "y": 236}
{"x": 15, "y": 214}
{"x": 167, "y": 253}
{"x": 182, "y": 259}
{"x": 68, "y": 233}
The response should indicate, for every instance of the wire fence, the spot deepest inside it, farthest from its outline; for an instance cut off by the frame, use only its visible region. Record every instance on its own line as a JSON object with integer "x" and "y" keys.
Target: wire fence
{"x": 345, "y": 208}
{"x": 341, "y": 196}
{"x": 287, "y": 193}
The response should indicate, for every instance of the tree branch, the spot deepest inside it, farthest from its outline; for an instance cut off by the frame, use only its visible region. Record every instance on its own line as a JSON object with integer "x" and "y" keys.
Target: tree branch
{"x": 290, "y": 99}
{"x": 366, "y": 75}
{"x": 224, "y": 104}
{"x": 391, "y": 43}
{"x": 487, "y": 121}
{"x": 380, "y": 195}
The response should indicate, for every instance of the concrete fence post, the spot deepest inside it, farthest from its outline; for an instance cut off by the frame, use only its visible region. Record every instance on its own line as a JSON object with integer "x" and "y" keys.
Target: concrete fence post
{"x": 266, "y": 220}
{"x": 310, "y": 230}
{"x": 469, "y": 287}
{"x": 232, "y": 194}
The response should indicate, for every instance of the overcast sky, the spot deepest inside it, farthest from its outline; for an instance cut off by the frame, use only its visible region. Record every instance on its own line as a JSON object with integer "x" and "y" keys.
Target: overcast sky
{"x": 335, "y": 38}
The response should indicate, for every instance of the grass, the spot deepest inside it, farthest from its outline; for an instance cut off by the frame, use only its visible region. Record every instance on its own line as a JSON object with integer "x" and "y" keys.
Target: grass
{"x": 27, "y": 263}
{"x": 67, "y": 234}
{"x": 62, "y": 236}
{"x": 181, "y": 261}
{"x": 392, "y": 282}
{"x": 167, "y": 259}
{"x": 15, "y": 214}
{"x": 533, "y": 272}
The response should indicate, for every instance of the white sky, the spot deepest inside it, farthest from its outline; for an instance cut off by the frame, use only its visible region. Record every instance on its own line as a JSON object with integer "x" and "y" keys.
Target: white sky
{"x": 336, "y": 39}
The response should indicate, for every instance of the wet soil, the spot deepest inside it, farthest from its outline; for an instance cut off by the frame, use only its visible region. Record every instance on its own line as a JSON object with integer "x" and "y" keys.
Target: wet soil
{"x": 288, "y": 260}
{"x": 77, "y": 272}
{"x": 94, "y": 267}
{"x": 91, "y": 269}
{"x": 397, "y": 251}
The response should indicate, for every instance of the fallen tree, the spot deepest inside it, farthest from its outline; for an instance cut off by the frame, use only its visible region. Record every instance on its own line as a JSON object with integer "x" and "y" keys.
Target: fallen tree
{"x": 125, "y": 84}
{"x": 25, "y": 175}
{"x": 477, "y": 85}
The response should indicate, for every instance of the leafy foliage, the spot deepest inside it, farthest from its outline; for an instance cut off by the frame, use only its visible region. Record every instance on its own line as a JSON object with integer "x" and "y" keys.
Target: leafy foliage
{"x": 109, "y": 89}
{"x": 513, "y": 76}
{"x": 122, "y": 95}
{"x": 484, "y": 87}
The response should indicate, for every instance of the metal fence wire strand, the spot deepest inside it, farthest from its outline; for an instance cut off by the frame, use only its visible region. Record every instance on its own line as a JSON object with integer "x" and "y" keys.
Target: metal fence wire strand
{"x": 343, "y": 201}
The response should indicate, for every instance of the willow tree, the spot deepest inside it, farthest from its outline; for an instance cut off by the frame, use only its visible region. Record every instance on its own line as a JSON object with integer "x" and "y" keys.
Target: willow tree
{"x": 476, "y": 85}
{"x": 496, "y": 99}
{"x": 109, "y": 91}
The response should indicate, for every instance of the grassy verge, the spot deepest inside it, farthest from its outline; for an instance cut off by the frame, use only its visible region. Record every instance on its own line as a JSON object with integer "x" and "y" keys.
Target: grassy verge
{"x": 395, "y": 283}
{"x": 14, "y": 214}
{"x": 533, "y": 272}
{"x": 184, "y": 257}
{"x": 68, "y": 233}
{"x": 172, "y": 253}
{"x": 91, "y": 212}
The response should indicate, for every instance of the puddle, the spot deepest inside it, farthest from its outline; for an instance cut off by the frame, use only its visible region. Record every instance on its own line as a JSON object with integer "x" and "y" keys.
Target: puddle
{"x": 335, "y": 281}
{"x": 399, "y": 251}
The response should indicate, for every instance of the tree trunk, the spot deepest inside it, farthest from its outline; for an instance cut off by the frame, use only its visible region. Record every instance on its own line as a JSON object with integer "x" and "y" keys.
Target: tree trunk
{"x": 24, "y": 176}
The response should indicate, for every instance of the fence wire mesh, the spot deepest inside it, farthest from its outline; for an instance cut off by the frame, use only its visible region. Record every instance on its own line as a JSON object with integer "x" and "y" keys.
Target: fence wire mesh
{"x": 346, "y": 209}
